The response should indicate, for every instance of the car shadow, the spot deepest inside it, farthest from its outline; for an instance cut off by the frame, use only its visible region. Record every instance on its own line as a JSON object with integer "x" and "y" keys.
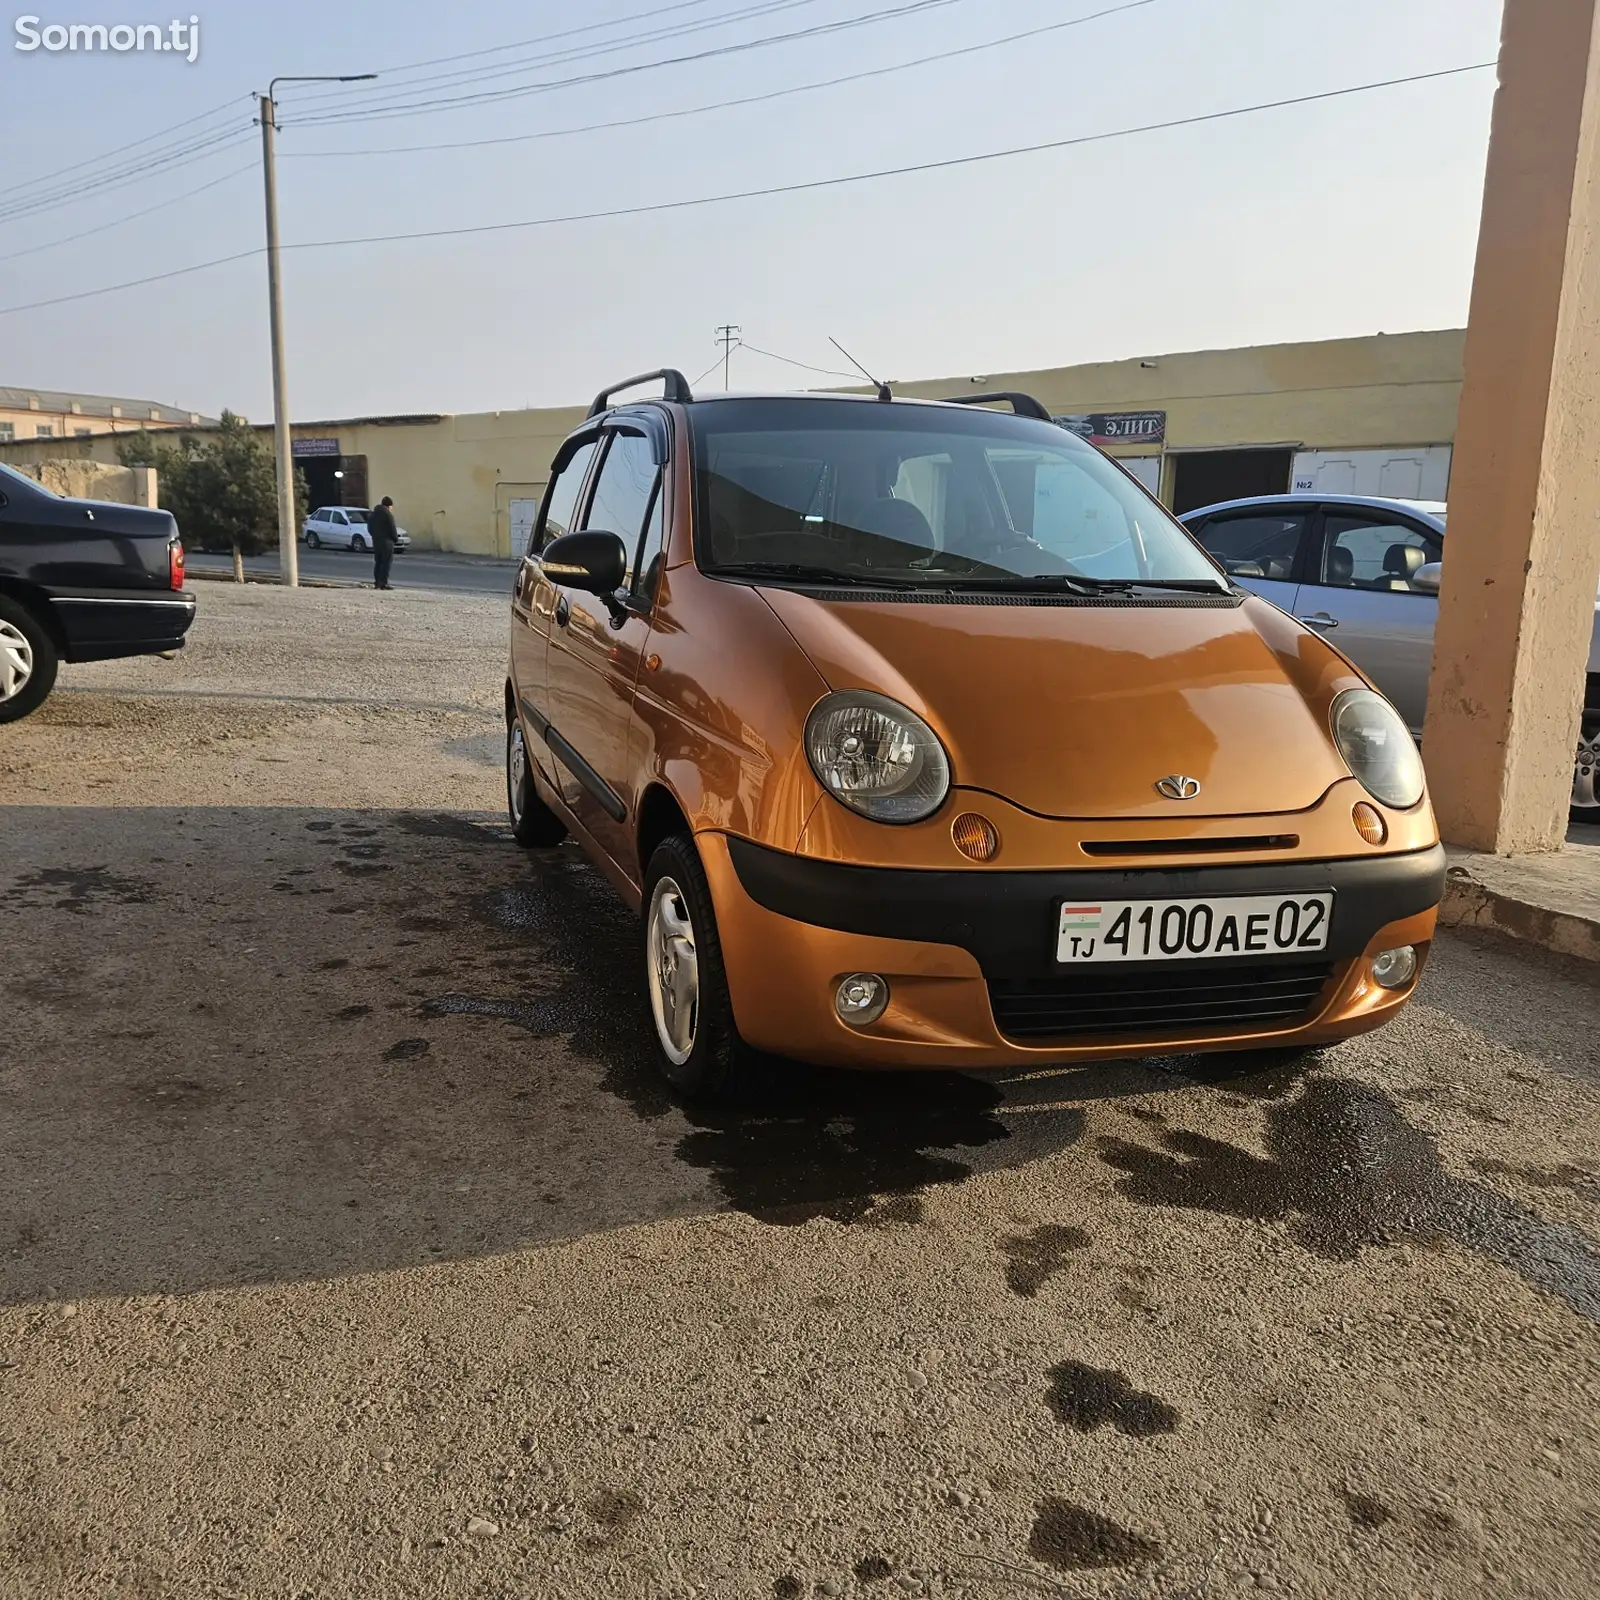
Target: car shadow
{"x": 254, "y": 1045}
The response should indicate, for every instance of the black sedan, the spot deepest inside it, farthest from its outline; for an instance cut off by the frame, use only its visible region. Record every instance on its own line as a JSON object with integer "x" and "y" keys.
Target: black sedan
{"x": 81, "y": 580}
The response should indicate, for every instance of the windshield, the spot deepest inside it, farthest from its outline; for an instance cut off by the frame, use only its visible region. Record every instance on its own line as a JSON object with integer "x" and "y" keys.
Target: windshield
{"x": 10, "y": 474}
{"x": 850, "y": 492}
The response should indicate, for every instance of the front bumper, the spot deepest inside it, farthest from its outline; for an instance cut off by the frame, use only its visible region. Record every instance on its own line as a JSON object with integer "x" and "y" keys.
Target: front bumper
{"x": 968, "y": 956}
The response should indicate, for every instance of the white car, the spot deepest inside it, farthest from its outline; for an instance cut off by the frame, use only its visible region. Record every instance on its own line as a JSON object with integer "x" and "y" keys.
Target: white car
{"x": 344, "y": 528}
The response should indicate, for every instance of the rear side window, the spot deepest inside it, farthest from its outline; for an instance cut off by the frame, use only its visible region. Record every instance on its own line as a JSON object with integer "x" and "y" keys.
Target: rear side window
{"x": 561, "y": 499}
{"x": 1261, "y": 545}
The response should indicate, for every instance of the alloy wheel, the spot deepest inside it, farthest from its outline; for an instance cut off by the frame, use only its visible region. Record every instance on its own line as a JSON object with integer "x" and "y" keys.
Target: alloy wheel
{"x": 1586, "y": 771}
{"x": 516, "y": 773}
{"x": 673, "y": 971}
{"x": 16, "y": 660}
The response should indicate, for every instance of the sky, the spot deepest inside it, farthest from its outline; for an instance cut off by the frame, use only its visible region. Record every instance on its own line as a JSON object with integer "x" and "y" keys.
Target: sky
{"x": 1349, "y": 215}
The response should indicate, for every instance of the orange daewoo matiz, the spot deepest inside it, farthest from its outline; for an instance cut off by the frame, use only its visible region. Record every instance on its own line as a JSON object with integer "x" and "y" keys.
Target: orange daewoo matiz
{"x": 923, "y": 737}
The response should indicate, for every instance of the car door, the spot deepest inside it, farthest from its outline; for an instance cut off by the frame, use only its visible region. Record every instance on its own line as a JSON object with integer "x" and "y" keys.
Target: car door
{"x": 1263, "y": 548}
{"x": 1361, "y": 592}
{"x": 534, "y": 597}
{"x": 596, "y": 644}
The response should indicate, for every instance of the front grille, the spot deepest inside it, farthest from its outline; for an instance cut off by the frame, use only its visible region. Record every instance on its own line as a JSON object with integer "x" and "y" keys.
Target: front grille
{"x": 1180, "y": 996}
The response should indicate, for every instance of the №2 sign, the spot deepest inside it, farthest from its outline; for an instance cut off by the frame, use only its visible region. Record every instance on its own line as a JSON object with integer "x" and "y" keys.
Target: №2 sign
{"x": 1117, "y": 427}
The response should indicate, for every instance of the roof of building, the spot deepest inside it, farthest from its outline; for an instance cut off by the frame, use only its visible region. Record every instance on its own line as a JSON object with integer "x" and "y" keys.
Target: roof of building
{"x": 96, "y": 405}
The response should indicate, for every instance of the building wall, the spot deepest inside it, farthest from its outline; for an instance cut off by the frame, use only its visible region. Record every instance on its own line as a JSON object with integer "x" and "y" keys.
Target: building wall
{"x": 453, "y": 478}
{"x": 94, "y": 480}
{"x": 25, "y": 422}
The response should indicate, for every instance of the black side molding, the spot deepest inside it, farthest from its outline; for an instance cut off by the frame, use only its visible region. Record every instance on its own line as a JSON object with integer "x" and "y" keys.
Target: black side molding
{"x": 605, "y": 796}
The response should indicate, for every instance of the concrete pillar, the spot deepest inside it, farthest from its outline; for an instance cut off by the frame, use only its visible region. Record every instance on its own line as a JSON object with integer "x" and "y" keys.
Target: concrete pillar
{"x": 145, "y": 488}
{"x": 1523, "y": 551}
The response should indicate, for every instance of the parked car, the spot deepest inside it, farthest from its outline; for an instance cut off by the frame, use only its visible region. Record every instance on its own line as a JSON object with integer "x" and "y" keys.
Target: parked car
{"x": 1365, "y": 572}
{"x": 923, "y": 737}
{"x": 81, "y": 580}
{"x": 344, "y": 528}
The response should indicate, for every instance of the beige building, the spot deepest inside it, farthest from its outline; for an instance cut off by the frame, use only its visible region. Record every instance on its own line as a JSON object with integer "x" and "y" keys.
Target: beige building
{"x": 1370, "y": 415}
{"x": 54, "y": 414}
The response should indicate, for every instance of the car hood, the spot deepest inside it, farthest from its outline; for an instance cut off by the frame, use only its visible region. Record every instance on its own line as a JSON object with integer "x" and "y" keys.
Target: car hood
{"x": 1078, "y": 711}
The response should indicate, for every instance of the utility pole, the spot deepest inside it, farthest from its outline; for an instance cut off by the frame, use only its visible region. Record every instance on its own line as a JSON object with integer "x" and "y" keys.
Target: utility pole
{"x": 728, "y": 338}
{"x": 288, "y": 539}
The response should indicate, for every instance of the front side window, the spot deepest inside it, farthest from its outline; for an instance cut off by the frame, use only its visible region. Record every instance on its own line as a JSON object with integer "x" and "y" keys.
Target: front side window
{"x": 1363, "y": 552}
{"x": 1260, "y": 545}
{"x": 561, "y": 498}
{"x": 623, "y": 492}
{"x": 925, "y": 496}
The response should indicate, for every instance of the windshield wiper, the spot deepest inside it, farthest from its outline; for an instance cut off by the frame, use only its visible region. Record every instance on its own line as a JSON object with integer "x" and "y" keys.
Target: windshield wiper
{"x": 809, "y": 574}
{"x": 1084, "y": 585}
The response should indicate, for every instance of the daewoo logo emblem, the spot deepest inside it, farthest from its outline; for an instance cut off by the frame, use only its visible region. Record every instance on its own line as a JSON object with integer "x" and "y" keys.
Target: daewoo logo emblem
{"x": 1178, "y": 787}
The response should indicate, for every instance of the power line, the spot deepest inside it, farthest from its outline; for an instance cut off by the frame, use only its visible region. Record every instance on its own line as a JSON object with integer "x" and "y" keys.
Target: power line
{"x": 722, "y": 105}
{"x": 563, "y": 57}
{"x": 542, "y": 38}
{"x": 772, "y": 355}
{"x": 199, "y": 149}
{"x": 133, "y": 216}
{"x": 778, "y": 189}
{"x": 76, "y": 166}
{"x": 497, "y": 96}
{"x": 707, "y": 373}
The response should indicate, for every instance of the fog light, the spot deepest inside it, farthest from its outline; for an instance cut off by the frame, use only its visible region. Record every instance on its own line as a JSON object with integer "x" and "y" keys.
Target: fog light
{"x": 1394, "y": 969}
{"x": 861, "y": 999}
{"x": 1369, "y": 823}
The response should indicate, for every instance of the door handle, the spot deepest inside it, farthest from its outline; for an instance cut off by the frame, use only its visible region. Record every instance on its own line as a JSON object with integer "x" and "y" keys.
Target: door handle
{"x": 1320, "y": 619}
{"x": 563, "y": 611}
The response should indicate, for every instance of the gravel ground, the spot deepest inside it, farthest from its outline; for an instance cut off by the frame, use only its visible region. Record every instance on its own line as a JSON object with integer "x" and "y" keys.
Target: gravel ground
{"x": 349, "y": 1247}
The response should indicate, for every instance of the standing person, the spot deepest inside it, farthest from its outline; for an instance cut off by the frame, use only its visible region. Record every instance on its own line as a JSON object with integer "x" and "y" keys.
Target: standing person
{"x": 381, "y": 525}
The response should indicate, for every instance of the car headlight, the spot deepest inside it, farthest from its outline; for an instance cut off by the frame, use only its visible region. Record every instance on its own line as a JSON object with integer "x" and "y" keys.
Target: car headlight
{"x": 876, "y": 756}
{"x": 1378, "y": 748}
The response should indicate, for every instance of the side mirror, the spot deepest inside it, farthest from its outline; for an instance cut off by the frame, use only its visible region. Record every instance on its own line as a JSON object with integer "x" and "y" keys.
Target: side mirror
{"x": 1426, "y": 578}
{"x": 590, "y": 560}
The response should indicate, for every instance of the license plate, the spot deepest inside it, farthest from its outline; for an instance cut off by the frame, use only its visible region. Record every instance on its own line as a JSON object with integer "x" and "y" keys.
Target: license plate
{"x": 1193, "y": 930}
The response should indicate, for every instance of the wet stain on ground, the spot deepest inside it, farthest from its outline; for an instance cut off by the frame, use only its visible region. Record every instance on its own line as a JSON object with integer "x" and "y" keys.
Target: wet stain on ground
{"x": 1032, "y": 1259}
{"x": 441, "y": 825}
{"x": 80, "y": 889}
{"x": 1073, "y": 1539}
{"x": 1577, "y": 1180}
{"x": 873, "y": 1569}
{"x": 1254, "y": 1074}
{"x": 1366, "y": 1511}
{"x": 362, "y": 869}
{"x": 350, "y": 1013}
{"x": 903, "y": 1211}
{"x": 615, "y": 1508}
{"x": 318, "y": 827}
{"x": 334, "y": 965}
{"x": 788, "y": 1587}
{"x": 407, "y": 1050}
{"x": 362, "y": 852}
{"x": 1348, "y": 1172}
{"x": 817, "y": 1145}
{"x": 1085, "y": 1398}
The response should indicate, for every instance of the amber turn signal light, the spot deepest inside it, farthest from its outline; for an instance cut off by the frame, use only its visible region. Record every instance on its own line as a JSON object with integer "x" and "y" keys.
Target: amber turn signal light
{"x": 975, "y": 836}
{"x": 1369, "y": 824}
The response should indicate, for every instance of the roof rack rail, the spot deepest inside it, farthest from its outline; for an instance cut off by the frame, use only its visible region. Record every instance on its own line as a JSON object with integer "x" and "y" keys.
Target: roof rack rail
{"x": 1023, "y": 404}
{"x": 677, "y": 388}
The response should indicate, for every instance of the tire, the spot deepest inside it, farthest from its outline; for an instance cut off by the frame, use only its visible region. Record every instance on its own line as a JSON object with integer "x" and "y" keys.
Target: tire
{"x": 312, "y": 541}
{"x": 357, "y": 542}
{"x": 1586, "y": 771}
{"x": 700, "y": 1054}
{"x": 28, "y": 661}
{"x": 533, "y": 823}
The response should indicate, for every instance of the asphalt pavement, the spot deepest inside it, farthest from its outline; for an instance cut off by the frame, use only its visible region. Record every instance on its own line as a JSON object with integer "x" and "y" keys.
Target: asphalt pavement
{"x": 413, "y": 569}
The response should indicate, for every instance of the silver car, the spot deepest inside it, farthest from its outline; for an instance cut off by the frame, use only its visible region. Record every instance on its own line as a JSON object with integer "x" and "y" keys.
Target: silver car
{"x": 1365, "y": 572}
